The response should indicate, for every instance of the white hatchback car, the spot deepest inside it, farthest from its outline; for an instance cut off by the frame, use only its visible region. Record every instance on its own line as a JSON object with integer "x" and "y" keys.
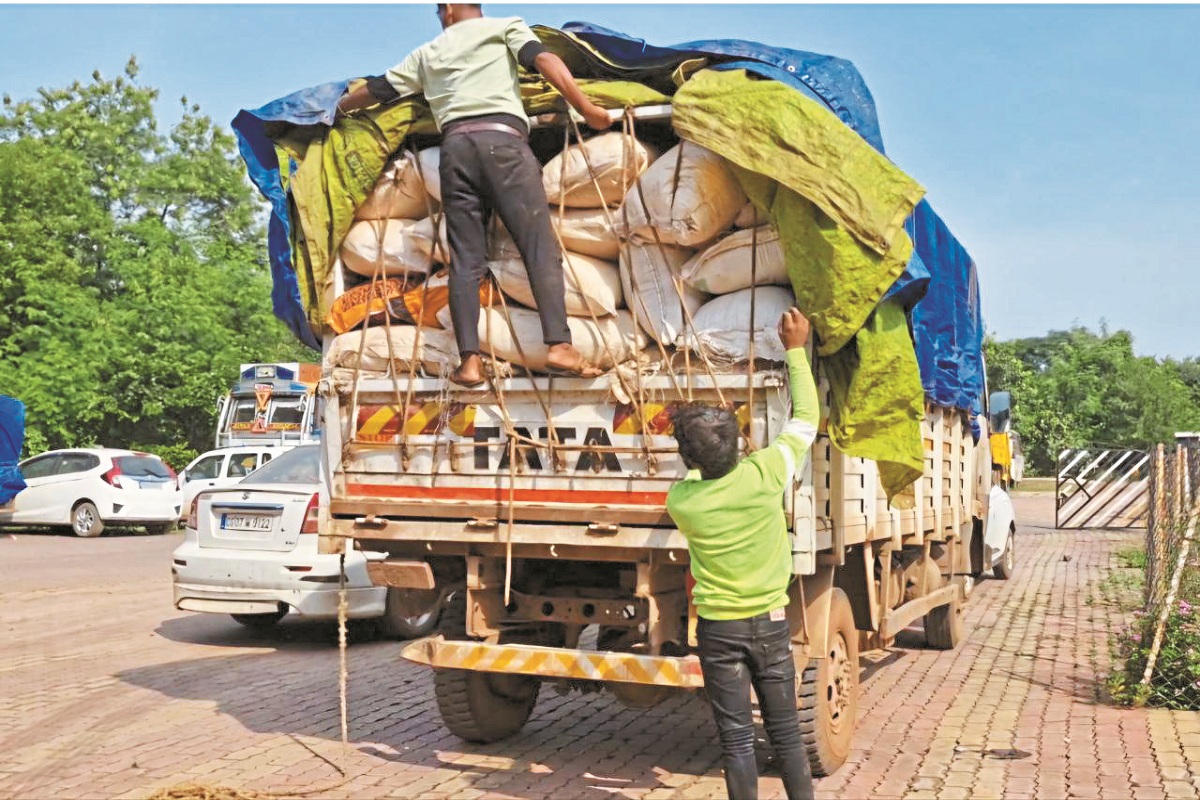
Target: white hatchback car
{"x": 91, "y": 488}
{"x": 251, "y": 551}
{"x": 220, "y": 468}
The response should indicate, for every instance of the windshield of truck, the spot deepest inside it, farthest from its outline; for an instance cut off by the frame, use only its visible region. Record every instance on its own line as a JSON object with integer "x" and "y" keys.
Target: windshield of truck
{"x": 243, "y": 411}
{"x": 286, "y": 412}
{"x": 298, "y": 465}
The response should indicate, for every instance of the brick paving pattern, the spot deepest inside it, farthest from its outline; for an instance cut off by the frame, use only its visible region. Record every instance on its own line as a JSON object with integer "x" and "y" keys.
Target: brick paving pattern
{"x": 106, "y": 691}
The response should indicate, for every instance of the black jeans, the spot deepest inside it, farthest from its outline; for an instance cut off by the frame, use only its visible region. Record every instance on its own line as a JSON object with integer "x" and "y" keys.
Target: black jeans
{"x": 485, "y": 171}
{"x": 734, "y": 655}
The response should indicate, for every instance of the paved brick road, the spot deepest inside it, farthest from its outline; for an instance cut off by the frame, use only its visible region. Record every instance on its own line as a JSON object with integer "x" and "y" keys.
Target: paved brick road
{"x": 106, "y": 691}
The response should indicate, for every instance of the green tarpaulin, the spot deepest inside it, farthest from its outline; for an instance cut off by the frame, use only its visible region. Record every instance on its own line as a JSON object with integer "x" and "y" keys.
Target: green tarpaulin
{"x": 840, "y": 207}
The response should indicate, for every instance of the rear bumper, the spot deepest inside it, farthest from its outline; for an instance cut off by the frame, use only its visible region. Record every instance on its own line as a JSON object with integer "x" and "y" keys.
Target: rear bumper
{"x": 140, "y": 511}
{"x": 319, "y": 603}
{"x": 307, "y": 582}
{"x": 557, "y": 662}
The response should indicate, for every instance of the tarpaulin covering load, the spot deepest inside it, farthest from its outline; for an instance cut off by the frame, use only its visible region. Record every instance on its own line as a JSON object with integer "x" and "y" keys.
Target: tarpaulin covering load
{"x": 315, "y": 176}
{"x": 12, "y": 437}
{"x": 947, "y": 323}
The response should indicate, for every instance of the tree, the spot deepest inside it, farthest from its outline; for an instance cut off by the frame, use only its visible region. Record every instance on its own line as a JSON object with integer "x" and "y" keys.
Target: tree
{"x": 1076, "y": 388}
{"x": 133, "y": 276}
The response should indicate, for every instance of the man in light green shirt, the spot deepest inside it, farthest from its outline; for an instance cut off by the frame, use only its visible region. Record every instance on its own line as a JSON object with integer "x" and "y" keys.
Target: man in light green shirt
{"x": 468, "y": 76}
{"x": 731, "y": 512}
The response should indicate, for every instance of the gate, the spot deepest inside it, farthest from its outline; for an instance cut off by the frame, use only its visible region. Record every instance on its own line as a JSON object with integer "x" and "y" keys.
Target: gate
{"x": 1102, "y": 489}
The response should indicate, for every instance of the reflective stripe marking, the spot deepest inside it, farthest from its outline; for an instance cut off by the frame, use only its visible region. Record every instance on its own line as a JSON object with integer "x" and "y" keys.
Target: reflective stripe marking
{"x": 555, "y": 662}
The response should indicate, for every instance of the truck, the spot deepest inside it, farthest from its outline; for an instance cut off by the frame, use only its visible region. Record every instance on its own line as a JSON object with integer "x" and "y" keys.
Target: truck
{"x": 533, "y": 509}
{"x": 270, "y": 403}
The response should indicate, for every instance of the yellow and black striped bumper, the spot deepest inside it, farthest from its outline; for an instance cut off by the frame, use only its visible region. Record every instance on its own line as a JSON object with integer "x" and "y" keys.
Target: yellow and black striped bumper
{"x": 557, "y": 662}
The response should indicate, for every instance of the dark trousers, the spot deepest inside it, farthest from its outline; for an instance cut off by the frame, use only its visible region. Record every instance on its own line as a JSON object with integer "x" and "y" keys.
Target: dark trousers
{"x": 486, "y": 171}
{"x": 738, "y": 654}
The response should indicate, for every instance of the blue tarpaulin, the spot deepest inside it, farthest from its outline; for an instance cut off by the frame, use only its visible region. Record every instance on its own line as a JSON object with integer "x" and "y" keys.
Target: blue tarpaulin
{"x": 947, "y": 323}
{"x": 12, "y": 438}
{"x": 947, "y": 328}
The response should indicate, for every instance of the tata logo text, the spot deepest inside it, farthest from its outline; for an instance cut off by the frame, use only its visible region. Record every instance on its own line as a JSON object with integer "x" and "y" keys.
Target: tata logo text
{"x": 485, "y": 439}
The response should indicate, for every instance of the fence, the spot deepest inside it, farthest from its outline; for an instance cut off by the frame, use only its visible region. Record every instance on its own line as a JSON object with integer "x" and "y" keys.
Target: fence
{"x": 1097, "y": 488}
{"x": 1163, "y": 653}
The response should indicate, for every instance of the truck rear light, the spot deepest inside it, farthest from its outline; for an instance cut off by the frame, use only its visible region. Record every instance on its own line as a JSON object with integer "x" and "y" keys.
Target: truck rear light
{"x": 311, "y": 515}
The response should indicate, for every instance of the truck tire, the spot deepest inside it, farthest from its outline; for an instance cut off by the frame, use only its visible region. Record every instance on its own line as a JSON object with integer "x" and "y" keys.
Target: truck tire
{"x": 828, "y": 692}
{"x": 410, "y": 613}
{"x": 1006, "y": 567}
{"x": 85, "y": 520}
{"x": 944, "y": 627}
{"x": 479, "y": 706}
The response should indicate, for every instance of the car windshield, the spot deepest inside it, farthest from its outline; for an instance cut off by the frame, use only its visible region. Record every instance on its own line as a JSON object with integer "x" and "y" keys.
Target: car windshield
{"x": 142, "y": 467}
{"x": 298, "y": 465}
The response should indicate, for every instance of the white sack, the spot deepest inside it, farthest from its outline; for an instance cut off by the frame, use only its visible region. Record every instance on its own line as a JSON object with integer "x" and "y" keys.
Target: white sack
{"x": 430, "y": 161}
{"x": 407, "y": 246}
{"x": 722, "y": 326}
{"x": 646, "y": 277}
{"x": 587, "y": 231}
{"x": 747, "y": 216}
{"x": 616, "y": 161}
{"x": 692, "y": 210}
{"x": 436, "y": 350}
{"x": 582, "y": 230}
{"x": 593, "y": 286}
{"x": 603, "y": 343}
{"x": 398, "y": 194}
{"x": 726, "y": 266}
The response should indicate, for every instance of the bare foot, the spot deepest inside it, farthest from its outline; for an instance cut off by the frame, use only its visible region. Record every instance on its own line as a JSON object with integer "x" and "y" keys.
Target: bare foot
{"x": 564, "y": 357}
{"x": 469, "y": 372}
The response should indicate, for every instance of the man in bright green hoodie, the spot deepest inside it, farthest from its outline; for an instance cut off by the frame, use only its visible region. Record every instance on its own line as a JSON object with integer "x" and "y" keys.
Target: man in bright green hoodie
{"x": 731, "y": 512}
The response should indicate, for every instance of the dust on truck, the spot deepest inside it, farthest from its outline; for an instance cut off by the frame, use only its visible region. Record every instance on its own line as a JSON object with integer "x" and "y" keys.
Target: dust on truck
{"x": 534, "y": 507}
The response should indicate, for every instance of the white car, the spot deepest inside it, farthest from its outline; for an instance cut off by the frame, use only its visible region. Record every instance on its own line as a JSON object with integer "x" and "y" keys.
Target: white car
{"x": 91, "y": 488}
{"x": 1000, "y": 534}
{"x": 220, "y": 468}
{"x": 250, "y": 551}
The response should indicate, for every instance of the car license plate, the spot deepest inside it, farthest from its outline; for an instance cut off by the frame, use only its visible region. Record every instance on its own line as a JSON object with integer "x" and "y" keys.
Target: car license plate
{"x": 245, "y": 522}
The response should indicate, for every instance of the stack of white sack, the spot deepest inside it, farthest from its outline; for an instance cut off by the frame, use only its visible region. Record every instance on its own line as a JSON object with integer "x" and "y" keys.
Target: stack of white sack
{"x": 691, "y": 234}
{"x": 667, "y": 252}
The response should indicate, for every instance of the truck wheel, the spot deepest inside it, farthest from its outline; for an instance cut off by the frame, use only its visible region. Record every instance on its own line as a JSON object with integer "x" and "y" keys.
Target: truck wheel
{"x": 944, "y": 625}
{"x": 1007, "y": 565}
{"x": 411, "y": 613}
{"x": 85, "y": 520}
{"x": 828, "y": 692}
{"x": 258, "y": 622}
{"x": 480, "y": 706}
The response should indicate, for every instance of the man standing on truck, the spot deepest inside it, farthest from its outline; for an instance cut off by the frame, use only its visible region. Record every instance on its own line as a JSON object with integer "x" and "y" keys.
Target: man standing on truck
{"x": 741, "y": 560}
{"x": 468, "y": 75}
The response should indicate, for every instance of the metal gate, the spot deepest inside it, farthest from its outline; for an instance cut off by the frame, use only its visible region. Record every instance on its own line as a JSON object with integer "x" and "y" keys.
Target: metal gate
{"x": 1102, "y": 489}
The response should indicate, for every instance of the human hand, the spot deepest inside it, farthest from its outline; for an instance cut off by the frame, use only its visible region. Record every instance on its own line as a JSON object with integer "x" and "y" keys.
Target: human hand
{"x": 793, "y": 329}
{"x": 596, "y": 117}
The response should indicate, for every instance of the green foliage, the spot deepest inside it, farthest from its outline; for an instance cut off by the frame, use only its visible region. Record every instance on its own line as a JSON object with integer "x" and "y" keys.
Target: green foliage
{"x": 133, "y": 277}
{"x": 1077, "y": 388}
{"x": 1175, "y": 680}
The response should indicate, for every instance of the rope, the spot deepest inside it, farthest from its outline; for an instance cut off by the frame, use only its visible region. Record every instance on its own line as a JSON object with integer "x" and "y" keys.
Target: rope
{"x": 753, "y": 296}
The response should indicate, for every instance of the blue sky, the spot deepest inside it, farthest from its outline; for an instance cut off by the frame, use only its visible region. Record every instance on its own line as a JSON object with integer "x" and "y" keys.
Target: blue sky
{"x": 1058, "y": 142}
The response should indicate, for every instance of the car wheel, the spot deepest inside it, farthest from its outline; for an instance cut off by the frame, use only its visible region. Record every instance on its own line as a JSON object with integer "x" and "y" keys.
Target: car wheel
{"x": 1007, "y": 565}
{"x": 411, "y": 613}
{"x": 85, "y": 520}
{"x": 259, "y": 622}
